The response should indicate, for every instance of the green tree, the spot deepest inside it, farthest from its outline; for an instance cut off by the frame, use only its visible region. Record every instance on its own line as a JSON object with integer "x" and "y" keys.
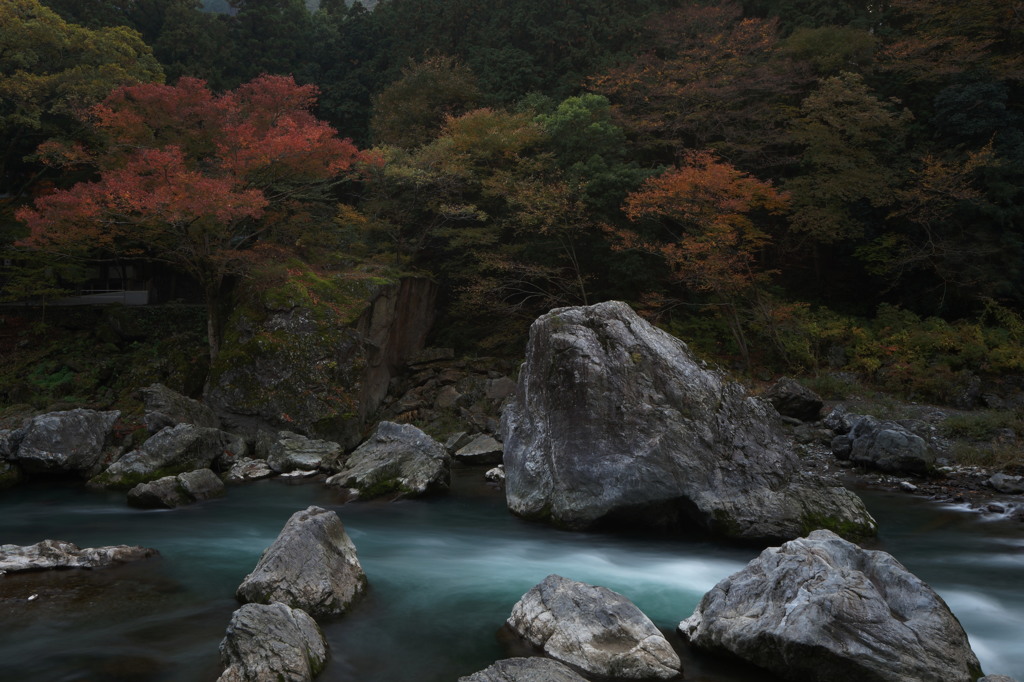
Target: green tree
{"x": 49, "y": 69}
{"x": 410, "y": 111}
{"x": 849, "y": 141}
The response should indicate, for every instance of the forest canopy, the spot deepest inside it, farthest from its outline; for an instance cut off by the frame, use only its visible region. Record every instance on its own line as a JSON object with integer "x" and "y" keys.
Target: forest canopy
{"x": 757, "y": 175}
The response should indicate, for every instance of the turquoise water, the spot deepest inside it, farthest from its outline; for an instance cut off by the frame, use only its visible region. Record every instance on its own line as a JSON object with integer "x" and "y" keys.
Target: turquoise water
{"x": 443, "y": 576}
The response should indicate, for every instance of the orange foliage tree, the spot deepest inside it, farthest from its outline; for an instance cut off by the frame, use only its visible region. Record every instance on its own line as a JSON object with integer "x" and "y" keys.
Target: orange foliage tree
{"x": 709, "y": 207}
{"x": 186, "y": 176}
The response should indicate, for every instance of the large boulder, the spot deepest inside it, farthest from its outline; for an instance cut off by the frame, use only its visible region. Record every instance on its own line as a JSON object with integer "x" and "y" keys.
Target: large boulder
{"x": 594, "y": 629}
{"x": 532, "y": 669}
{"x": 272, "y": 643}
{"x": 317, "y": 361}
{"x": 287, "y": 451}
{"x": 166, "y": 407}
{"x": 821, "y": 609}
{"x": 790, "y": 398}
{"x": 884, "y": 445}
{"x": 176, "y": 491}
{"x": 171, "y": 451}
{"x": 51, "y": 554}
{"x": 614, "y": 420}
{"x": 64, "y": 442}
{"x": 312, "y": 565}
{"x": 397, "y": 458}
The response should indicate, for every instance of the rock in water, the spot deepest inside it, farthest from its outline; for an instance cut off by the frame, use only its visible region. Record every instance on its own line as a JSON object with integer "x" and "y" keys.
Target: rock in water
{"x": 597, "y": 630}
{"x": 170, "y": 451}
{"x": 287, "y": 451}
{"x": 397, "y": 458}
{"x": 272, "y": 643}
{"x": 175, "y": 491}
{"x": 50, "y": 554}
{"x": 533, "y": 669}
{"x": 65, "y": 442}
{"x": 614, "y": 420}
{"x": 821, "y": 609}
{"x": 312, "y": 565}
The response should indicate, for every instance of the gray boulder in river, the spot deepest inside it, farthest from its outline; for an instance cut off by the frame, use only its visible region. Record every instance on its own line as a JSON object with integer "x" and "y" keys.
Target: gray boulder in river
{"x": 64, "y": 442}
{"x": 615, "y": 420}
{"x": 312, "y": 565}
{"x": 532, "y": 669}
{"x": 272, "y": 643}
{"x": 171, "y": 451}
{"x": 594, "y": 629}
{"x": 287, "y": 451}
{"x": 397, "y": 458}
{"x": 176, "y": 491}
{"x": 821, "y": 609}
{"x": 51, "y": 554}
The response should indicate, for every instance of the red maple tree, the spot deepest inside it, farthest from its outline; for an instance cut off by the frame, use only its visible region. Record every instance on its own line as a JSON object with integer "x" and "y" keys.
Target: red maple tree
{"x": 709, "y": 206}
{"x": 183, "y": 175}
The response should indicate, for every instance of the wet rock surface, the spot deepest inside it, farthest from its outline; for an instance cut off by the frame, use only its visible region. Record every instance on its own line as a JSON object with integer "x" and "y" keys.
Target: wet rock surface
{"x": 59, "y": 554}
{"x": 533, "y": 669}
{"x": 312, "y": 565}
{"x": 594, "y": 629}
{"x": 272, "y": 643}
{"x": 176, "y": 491}
{"x": 823, "y": 609}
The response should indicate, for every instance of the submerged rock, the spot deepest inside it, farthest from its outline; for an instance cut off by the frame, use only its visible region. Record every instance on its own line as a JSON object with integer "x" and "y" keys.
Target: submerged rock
{"x": 594, "y": 629}
{"x": 312, "y": 565}
{"x": 64, "y": 442}
{"x": 51, "y": 554}
{"x": 165, "y": 407}
{"x": 272, "y": 643}
{"x": 615, "y": 420}
{"x": 397, "y": 458}
{"x": 173, "y": 450}
{"x": 822, "y": 609}
{"x": 176, "y": 491}
{"x": 533, "y": 669}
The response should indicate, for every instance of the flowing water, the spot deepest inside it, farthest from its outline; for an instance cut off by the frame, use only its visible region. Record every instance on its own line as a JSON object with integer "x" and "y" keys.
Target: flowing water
{"x": 444, "y": 575}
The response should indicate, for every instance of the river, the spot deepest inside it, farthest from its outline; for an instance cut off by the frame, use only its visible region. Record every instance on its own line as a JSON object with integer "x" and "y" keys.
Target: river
{"x": 443, "y": 573}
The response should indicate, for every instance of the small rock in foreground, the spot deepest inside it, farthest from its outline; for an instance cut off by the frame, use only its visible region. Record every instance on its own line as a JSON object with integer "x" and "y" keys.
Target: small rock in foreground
{"x": 821, "y": 609}
{"x": 533, "y": 669}
{"x": 272, "y": 643}
{"x": 594, "y": 629}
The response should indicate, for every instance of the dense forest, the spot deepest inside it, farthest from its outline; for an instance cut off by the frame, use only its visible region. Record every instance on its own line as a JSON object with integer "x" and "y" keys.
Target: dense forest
{"x": 789, "y": 185}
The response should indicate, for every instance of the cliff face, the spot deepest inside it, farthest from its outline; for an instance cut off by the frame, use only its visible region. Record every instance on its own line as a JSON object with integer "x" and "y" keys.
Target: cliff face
{"x": 318, "y": 362}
